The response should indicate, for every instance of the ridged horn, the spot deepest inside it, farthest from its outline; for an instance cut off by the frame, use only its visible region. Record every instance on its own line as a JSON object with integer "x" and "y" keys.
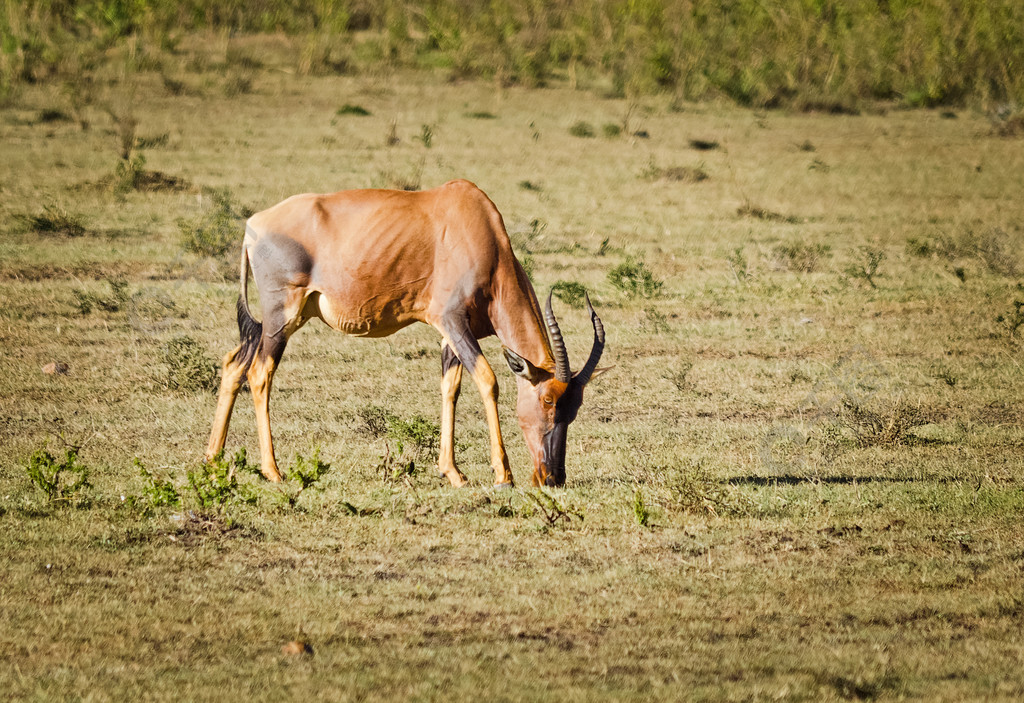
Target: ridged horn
{"x": 584, "y": 374}
{"x": 557, "y": 345}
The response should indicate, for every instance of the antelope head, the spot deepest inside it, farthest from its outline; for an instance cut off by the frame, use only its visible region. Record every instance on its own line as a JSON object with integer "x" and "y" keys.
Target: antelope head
{"x": 548, "y": 401}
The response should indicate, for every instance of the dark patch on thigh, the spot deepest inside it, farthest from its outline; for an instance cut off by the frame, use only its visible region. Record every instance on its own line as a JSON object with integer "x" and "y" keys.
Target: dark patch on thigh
{"x": 278, "y": 262}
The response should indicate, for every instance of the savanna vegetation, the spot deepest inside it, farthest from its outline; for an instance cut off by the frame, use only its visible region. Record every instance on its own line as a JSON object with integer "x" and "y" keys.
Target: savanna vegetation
{"x": 814, "y": 54}
{"x": 803, "y": 479}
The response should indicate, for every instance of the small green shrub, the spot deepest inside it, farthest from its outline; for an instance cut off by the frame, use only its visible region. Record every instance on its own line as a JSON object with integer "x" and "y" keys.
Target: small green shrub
{"x": 46, "y": 472}
{"x": 703, "y": 144}
{"x": 355, "y": 110}
{"x": 750, "y": 210}
{"x": 189, "y": 368}
{"x": 920, "y": 247}
{"x": 117, "y": 300}
{"x": 994, "y": 248}
{"x": 582, "y": 129}
{"x": 128, "y": 174}
{"x": 654, "y": 321}
{"x": 739, "y": 264}
{"x": 553, "y": 512}
{"x": 481, "y": 115}
{"x": 611, "y": 130}
{"x": 418, "y": 432}
{"x": 886, "y": 425}
{"x": 570, "y": 292}
{"x": 426, "y": 136}
{"x": 640, "y": 511}
{"x": 157, "y": 492}
{"x": 678, "y": 373}
{"x": 528, "y": 264}
{"x": 55, "y": 219}
{"x": 305, "y": 473}
{"x": 633, "y": 278}
{"x": 413, "y": 439}
{"x": 529, "y": 185}
{"x": 308, "y": 472}
{"x": 216, "y": 231}
{"x": 238, "y": 84}
{"x": 694, "y": 490}
{"x": 867, "y": 268}
{"x": 799, "y": 256}
{"x": 678, "y": 174}
{"x": 215, "y": 484}
{"x": 1014, "y": 319}
{"x": 157, "y": 140}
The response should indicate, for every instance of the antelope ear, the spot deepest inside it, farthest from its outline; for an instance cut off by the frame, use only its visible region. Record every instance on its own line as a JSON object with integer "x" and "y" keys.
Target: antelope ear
{"x": 598, "y": 372}
{"x": 522, "y": 367}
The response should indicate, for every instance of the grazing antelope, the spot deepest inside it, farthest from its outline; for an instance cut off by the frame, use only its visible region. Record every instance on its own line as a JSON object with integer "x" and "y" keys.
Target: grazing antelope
{"x": 370, "y": 262}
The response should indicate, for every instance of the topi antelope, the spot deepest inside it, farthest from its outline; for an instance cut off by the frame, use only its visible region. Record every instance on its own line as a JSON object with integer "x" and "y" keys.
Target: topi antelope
{"x": 370, "y": 262}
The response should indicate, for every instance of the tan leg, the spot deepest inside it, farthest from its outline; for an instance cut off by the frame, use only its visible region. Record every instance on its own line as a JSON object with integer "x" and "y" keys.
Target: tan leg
{"x": 230, "y": 383}
{"x": 485, "y": 380}
{"x": 261, "y": 374}
{"x": 451, "y": 382}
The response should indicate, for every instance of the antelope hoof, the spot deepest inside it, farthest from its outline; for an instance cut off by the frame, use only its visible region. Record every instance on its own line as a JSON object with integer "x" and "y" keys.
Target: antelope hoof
{"x": 506, "y": 486}
{"x": 271, "y": 474}
{"x": 457, "y": 481}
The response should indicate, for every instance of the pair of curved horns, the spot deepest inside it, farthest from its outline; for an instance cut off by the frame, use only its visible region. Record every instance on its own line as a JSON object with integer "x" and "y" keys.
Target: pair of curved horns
{"x": 562, "y": 372}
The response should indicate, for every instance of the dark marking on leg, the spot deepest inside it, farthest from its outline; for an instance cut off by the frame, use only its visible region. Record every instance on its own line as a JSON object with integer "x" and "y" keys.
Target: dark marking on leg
{"x": 448, "y": 359}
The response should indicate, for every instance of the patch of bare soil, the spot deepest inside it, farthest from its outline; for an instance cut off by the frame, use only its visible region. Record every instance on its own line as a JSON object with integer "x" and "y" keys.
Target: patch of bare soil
{"x": 195, "y": 528}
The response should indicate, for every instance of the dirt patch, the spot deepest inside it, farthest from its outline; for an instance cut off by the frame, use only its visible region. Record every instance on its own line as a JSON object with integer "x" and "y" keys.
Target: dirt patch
{"x": 200, "y": 528}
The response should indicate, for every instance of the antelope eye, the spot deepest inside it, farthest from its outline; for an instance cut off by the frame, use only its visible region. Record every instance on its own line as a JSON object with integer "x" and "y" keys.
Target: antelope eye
{"x": 548, "y": 400}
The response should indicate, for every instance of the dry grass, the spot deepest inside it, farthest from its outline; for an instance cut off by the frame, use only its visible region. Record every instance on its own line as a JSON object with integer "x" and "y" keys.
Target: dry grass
{"x": 839, "y": 570}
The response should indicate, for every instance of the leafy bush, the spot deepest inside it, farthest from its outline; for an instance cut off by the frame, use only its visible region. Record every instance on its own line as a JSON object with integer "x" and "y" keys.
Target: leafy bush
{"x": 55, "y": 220}
{"x": 694, "y": 490}
{"x": 413, "y": 438}
{"x": 215, "y": 484}
{"x": 570, "y": 292}
{"x": 305, "y": 473}
{"x": 888, "y": 425}
{"x": 216, "y": 231}
{"x": 426, "y": 135}
{"x": 350, "y": 109}
{"x": 45, "y": 472}
{"x": 640, "y": 510}
{"x": 189, "y": 368}
{"x": 867, "y": 268}
{"x": 128, "y": 174}
{"x": 115, "y": 302}
{"x": 582, "y": 129}
{"x": 799, "y": 256}
{"x": 633, "y": 278}
{"x": 1013, "y": 320}
{"x": 679, "y": 174}
{"x": 994, "y": 248}
{"x": 308, "y": 472}
{"x": 551, "y": 510}
{"x": 157, "y": 492}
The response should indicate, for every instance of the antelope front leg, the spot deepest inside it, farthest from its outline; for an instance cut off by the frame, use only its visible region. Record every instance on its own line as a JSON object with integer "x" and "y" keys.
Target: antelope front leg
{"x": 468, "y": 352}
{"x": 451, "y": 382}
{"x": 488, "y": 385}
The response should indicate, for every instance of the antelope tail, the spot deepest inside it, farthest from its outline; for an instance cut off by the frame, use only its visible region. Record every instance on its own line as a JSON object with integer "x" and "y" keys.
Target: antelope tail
{"x": 250, "y": 331}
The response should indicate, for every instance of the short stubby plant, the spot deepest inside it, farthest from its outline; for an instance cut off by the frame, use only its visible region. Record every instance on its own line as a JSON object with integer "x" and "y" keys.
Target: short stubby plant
{"x": 62, "y": 481}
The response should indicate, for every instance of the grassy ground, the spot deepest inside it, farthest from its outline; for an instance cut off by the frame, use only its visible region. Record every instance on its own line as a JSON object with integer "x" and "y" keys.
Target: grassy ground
{"x": 803, "y": 479}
